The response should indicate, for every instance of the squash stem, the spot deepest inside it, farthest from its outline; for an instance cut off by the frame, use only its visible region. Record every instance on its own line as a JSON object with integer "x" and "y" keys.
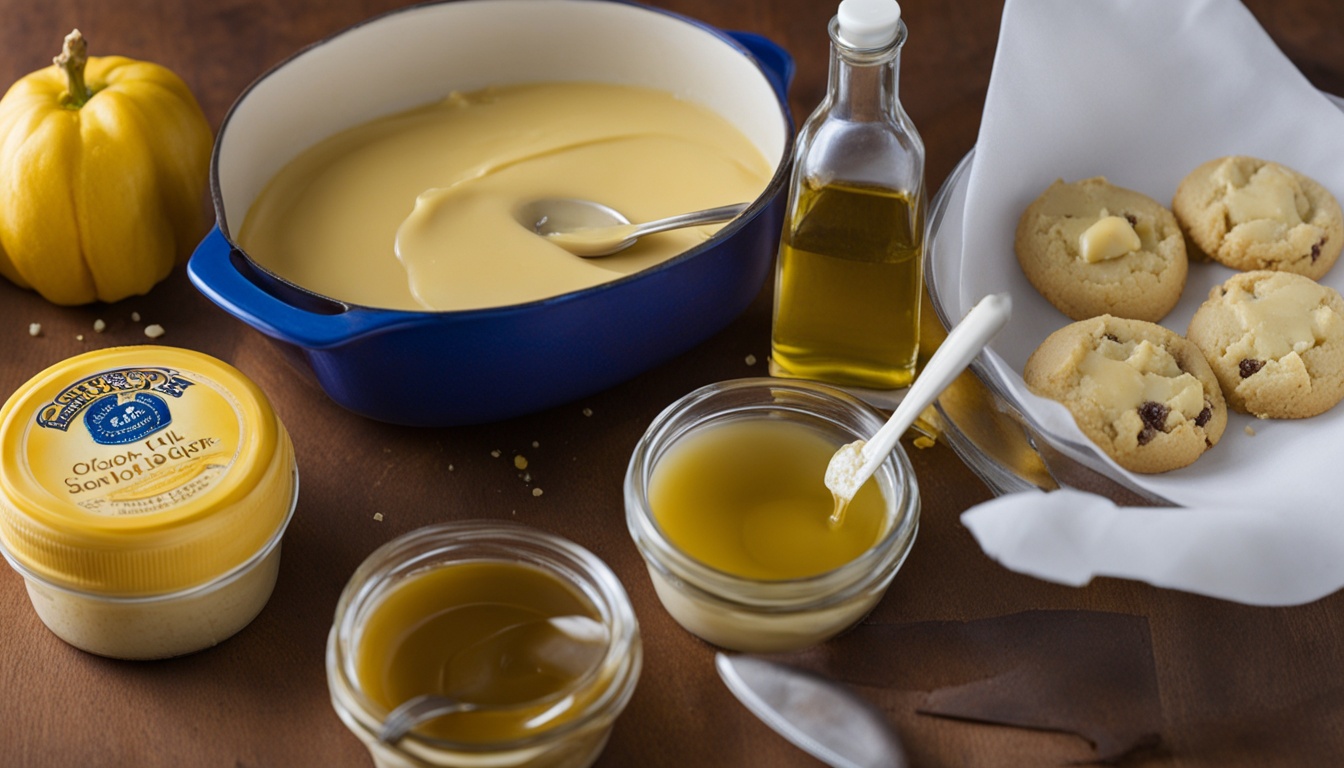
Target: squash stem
{"x": 74, "y": 55}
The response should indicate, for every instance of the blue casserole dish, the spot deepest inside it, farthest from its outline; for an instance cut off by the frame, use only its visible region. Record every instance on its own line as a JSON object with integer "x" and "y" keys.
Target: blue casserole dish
{"x": 463, "y": 367}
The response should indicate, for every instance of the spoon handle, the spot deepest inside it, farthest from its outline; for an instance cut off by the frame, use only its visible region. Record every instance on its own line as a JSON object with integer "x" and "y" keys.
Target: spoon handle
{"x": 962, "y": 344}
{"x": 707, "y": 216}
{"x": 415, "y": 711}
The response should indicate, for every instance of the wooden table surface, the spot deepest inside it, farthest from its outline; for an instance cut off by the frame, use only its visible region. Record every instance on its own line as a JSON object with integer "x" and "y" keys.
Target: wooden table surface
{"x": 1187, "y": 680}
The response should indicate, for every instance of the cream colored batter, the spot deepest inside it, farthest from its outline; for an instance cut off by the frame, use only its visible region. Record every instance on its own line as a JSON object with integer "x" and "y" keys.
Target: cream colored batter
{"x": 417, "y": 210}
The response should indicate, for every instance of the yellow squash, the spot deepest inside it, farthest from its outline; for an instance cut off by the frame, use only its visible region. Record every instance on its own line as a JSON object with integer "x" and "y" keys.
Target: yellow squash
{"x": 103, "y": 167}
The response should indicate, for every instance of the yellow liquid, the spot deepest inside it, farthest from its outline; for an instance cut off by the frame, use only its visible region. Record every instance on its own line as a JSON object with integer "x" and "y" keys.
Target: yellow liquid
{"x": 413, "y": 634}
{"x": 847, "y": 294}
{"x": 748, "y": 498}
{"x": 418, "y": 210}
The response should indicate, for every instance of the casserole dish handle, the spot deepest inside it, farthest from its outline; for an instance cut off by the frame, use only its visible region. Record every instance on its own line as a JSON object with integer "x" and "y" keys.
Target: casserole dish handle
{"x": 775, "y": 61}
{"x": 214, "y": 274}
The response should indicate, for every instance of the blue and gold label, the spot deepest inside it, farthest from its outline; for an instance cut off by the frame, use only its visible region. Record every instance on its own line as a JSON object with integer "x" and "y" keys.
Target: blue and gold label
{"x": 151, "y": 439}
{"x": 119, "y": 421}
{"x": 66, "y": 406}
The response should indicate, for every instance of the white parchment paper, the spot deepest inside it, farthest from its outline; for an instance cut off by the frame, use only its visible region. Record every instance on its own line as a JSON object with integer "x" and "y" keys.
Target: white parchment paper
{"x": 1141, "y": 92}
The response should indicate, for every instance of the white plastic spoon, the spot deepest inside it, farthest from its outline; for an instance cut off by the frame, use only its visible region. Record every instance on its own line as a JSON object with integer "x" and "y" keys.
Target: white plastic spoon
{"x": 855, "y": 462}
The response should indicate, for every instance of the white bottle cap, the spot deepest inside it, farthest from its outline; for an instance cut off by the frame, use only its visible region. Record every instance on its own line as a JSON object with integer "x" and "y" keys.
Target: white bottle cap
{"x": 869, "y": 23}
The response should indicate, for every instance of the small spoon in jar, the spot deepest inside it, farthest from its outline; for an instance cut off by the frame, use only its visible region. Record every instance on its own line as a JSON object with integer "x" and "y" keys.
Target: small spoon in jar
{"x": 590, "y": 229}
{"x": 559, "y": 646}
{"x": 855, "y": 462}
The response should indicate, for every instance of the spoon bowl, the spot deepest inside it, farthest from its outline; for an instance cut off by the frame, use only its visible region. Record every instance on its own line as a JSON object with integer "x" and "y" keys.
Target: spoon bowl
{"x": 590, "y": 229}
{"x": 488, "y": 673}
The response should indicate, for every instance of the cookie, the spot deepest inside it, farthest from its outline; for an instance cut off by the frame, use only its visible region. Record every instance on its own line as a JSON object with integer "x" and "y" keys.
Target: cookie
{"x": 1145, "y": 395}
{"x": 1275, "y": 340}
{"x": 1253, "y": 214}
{"x": 1092, "y": 248}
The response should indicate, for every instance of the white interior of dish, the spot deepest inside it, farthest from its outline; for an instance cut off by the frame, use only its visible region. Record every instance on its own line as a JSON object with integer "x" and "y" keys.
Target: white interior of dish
{"x": 415, "y": 56}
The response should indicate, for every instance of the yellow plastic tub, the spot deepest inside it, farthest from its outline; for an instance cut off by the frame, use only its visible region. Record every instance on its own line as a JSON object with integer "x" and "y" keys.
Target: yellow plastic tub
{"x": 143, "y": 495}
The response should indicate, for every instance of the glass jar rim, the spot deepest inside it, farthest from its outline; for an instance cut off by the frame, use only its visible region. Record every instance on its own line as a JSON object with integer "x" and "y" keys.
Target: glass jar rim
{"x": 501, "y": 541}
{"x": 878, "y": 563}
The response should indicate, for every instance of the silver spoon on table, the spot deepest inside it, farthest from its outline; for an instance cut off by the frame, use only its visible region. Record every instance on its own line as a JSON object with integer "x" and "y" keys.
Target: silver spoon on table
{"x": 821, "y": 717}
{"x": 589, "y": 229}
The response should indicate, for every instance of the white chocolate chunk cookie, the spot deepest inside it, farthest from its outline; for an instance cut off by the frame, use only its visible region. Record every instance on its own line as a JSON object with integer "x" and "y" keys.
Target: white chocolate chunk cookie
{"x": 1092, "y": 248}
{"x": 1275, "y": 341}
{"x": 1253, "y": 214}
{"x": 1143, "y": 394}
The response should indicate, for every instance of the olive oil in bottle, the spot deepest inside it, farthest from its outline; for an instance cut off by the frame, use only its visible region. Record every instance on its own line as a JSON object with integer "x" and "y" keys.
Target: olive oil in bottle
{"x": 849, "y": 279}
{"x": 850, "y": 291}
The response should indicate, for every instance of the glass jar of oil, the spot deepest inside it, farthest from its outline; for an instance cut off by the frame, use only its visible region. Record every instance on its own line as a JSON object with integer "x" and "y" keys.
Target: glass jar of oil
{"x": 849, "y": 277}
{"x": 726, "y": 500}
{"x": 462, "y": 610}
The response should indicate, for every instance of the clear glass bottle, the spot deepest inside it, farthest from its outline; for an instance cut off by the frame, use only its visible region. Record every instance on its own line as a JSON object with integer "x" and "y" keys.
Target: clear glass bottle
{"x": 849, "y": 276}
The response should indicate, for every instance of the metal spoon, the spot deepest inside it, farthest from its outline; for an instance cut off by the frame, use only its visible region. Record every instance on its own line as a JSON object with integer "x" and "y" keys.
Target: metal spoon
{"x": 855, "y": 462}
{"x": 821, "y": 717}
{"x": 589, "y": 229}
{"x": 566, "y": 646}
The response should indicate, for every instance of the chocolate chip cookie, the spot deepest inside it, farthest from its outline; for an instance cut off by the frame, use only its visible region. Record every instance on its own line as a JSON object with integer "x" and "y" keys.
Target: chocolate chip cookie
{"x": 1145, "y": 395}
{"x": 1093, "y": 248}
{"x": 1253, "y": 214}
{"x": 1275, "y": 340}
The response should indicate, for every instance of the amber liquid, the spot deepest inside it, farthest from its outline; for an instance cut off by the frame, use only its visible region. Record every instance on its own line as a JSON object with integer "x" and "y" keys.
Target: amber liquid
{"x": 749, "y": 498}
{"x": 411, "y": 637}
{"x": 847, "y": 294}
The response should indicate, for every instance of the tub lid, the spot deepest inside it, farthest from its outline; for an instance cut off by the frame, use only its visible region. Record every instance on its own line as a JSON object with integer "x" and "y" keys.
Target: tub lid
{"x": 140, "y": 470}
